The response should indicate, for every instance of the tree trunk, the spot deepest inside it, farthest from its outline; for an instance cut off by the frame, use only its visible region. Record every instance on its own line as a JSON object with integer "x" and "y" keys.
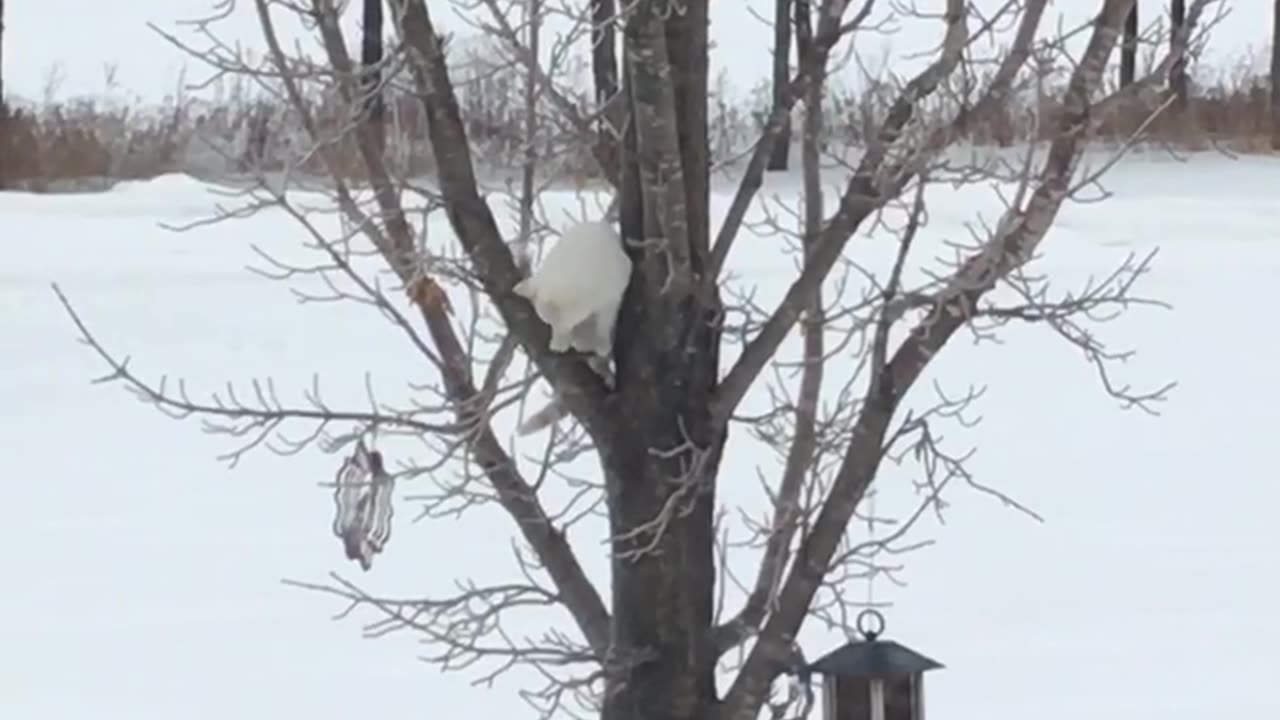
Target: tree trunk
{"x": 1, "y": 58}
{"x": 1129, "y": 48}
{"x": 604, "y": 69}
{"x": 1275, "y": 76}
{"x": 4, "y": 109}
{"x": 371, "y": 65}
{"x": 662, "y": 503}
{"x": 810, "y": 153}
{"x": 533, "y": 23}
{"x": 781, "y": 76}
{"x": 1178, "y": 72}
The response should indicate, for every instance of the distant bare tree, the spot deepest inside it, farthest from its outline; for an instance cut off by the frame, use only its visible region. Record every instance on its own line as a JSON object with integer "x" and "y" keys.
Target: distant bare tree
{"x": 781, "y": 78}
{"x": 1129, "y": 48}
{"x": 371, "y": 57}
{"x": 4, "y": 108}
{"x": 1, "y": 56}
{"x": 1178, "y": 71}
{"x": 1275, "y": 76}
{"x": 700, "y": 363}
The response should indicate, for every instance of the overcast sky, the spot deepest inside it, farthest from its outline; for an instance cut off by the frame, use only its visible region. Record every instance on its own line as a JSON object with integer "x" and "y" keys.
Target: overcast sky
{"x": 79, "y": 38}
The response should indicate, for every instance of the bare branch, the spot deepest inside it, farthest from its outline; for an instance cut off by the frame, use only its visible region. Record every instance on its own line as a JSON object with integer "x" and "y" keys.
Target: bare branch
{"x": 804, "y": 441}
{"x": 230, "y": 416}
{"x": 813, "y": 63}
{"x": 577, "y": 386}
{"x": 1011, "y": 245}
{"x": 396, "y": 245}
{"x": 866, "y": 192}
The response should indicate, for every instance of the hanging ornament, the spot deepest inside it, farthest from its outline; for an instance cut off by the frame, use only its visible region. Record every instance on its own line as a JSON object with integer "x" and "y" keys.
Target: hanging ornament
{"x": 362, "y": 496}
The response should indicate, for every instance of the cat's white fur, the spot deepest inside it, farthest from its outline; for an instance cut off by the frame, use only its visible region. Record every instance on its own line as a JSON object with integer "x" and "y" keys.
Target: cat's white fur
{"x": 578, "y": 288}
{"x": 577, "y": 291}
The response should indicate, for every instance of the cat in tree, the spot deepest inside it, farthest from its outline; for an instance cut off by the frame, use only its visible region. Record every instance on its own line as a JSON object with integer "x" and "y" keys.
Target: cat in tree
{"x": 578, "y": 288}
{"x": 577, "y": 291}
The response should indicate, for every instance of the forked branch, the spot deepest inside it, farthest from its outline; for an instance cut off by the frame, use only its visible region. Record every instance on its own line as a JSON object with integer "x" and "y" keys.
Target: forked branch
{"x": 867, "y": 191}
{"x": 813, "y": 62}
{"x": 802, "y": 453}
{"x": 397, "y": 248}
{"x": 577, "y": 386}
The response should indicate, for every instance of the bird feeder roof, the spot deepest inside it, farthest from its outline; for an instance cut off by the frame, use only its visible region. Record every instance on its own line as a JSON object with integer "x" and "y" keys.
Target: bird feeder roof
{"x": 872, "y": 658}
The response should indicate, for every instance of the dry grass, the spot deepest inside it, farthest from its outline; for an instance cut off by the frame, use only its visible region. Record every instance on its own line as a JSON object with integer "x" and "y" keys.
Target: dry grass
{"x": 81, "y": 144}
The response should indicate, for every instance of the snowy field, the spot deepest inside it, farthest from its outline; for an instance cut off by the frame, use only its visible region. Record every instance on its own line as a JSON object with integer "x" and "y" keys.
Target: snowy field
{"x": 142, "y": 577}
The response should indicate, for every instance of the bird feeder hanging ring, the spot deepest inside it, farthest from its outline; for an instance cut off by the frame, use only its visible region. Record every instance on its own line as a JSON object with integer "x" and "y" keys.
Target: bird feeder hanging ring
{"x": 870, "y": 624}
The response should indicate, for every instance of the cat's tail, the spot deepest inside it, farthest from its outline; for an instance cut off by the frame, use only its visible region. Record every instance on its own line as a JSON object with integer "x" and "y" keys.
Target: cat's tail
{"x": 555, "y": 411}
{"x": 550, "y": 414}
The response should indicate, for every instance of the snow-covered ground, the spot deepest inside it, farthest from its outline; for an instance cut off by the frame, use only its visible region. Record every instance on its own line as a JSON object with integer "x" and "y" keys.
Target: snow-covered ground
{"x": 141, "y": 577}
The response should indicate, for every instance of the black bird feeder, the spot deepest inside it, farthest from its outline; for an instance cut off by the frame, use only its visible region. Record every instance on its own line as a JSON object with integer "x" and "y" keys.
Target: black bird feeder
{"x": 872, "y": 679}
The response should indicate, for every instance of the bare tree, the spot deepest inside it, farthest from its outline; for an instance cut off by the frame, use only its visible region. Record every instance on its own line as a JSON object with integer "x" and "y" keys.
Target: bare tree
{"x": 1129, "y": 48}
{"x": 781, "y": 76}
{"x": 1275, "y": 76}
{"x": 644, "y": 445}
{"x": 4, "y": 109}
{"x": 1178, "y": 71}
{"x": 371, "y": 56}
{"x": 1, "y": 56}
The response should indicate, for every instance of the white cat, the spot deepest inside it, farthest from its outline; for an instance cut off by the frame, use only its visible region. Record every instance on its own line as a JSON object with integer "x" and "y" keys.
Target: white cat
{"x": 578, "y": 288}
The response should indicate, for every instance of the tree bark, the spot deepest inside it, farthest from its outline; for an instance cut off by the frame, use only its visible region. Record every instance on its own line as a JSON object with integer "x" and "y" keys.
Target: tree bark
{"x": 4, "y": 109}
{"x": 660, "y": 470}
{"x": 1178, "y": 73}
{"x": 1129, "y": 48}
{"x": 1275, "y": 76}
{"x": 374, "y": 107}
{"x": 604, "y": 70}
{"x": 781, "y": 77}
{"x": 533, "y": 24}
{"x": 1, "y": 57}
